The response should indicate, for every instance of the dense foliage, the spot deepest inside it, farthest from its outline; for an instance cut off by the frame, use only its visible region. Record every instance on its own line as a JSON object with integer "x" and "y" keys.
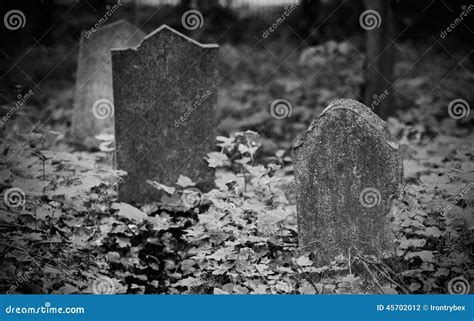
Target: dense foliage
{"x": 65, "y": 231}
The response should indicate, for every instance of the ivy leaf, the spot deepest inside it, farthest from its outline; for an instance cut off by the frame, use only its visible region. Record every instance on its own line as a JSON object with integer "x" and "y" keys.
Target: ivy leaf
{"x": 254, "y": 141}
{"x": 105, "y": 137}
{"x": 67, "y": 289}
{"x": 159, "y": 224}
{"x": 31, "y": 187}
{"x": 223, "y": 179}
{"x": 219, "y": 291}
{"x": 123, "y": 242}
{"x": 307, "y": 288}
{"x": 46, "y": 211}
{"x": 185, "y": 181}
{"x": 69, "y": 192}
{"x": 187, "y": 266}
{"x": 415, "y": 243}
{"x": 90, "y": 181}
{"x": 189, "y": 282}
{"x": 260, "y": 289}
{"x": 244, "y": 160}
{"x": 387, "y": 289}
{"x": 431, "y": 231}
{"x": 283, "y": 287}
{"x": 304, "y": 261}
{"x": 5, "y": 175}
{"x": 414, "y": 286}
{"x": 106, "y": 147}
{"x": 34, "y": 236}
{"x": 225, "y": 142}
{"x": 167, "y": 189}
{"x": 257, "y": 171}
{"x": 441, "y": 272}
{"x": 426, "y": 256}
{"x": 222, "y": 254}
{"x": 216, "y": 159}
{"x": 52, "y": 271}
{"x": 129, "y": 212}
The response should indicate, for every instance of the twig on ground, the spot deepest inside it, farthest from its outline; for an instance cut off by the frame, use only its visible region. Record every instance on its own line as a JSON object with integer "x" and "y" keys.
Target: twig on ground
{"x": 265, "y": 280}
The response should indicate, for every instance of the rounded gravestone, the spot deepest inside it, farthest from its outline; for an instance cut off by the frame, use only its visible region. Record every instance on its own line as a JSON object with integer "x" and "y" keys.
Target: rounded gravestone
{"x": 348, "y": 170}
{"x": 93, "y": 99}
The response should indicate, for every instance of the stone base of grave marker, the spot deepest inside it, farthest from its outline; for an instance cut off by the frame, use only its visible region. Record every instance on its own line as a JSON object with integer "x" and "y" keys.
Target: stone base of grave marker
{"x": 348, "y": 170}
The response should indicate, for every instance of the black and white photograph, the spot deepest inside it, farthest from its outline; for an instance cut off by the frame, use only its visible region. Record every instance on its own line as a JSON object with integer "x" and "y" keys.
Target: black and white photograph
{"x": 237, "y": 147}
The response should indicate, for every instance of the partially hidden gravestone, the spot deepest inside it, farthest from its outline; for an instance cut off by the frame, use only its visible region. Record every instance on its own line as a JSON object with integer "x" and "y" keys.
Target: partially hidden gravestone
{"x": 165, "y": 94}
{"x": 93, "y": 100}
{"x": 348, "y": 170}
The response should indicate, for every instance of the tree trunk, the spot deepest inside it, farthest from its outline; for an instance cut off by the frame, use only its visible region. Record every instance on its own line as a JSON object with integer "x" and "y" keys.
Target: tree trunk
{"x": 184, "y": 5}
{"x": 136, "y": 13}
{"x": 309, "y": 21}
{"x": 378, "y": 92}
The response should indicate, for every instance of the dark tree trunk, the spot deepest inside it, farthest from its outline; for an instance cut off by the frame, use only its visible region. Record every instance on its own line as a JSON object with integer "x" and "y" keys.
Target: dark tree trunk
{"x": 97, "y": 6}
{"x": 380, "y": 61}
{"x": 309, "y": 21}
{"x": 136, "y": 13}
{"x": 184, "y": 5}
{"x": 207, "y": 5}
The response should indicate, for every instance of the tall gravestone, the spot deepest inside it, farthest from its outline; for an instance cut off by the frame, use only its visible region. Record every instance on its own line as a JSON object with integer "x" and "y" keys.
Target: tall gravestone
{"x": 165, "y": 94}
{"x": 348, "y": 169}
{"x": 93, "y": 100}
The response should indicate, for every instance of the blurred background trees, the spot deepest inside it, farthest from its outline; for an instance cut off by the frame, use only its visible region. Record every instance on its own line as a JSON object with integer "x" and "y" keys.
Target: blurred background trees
{"x": 44, "y": 48}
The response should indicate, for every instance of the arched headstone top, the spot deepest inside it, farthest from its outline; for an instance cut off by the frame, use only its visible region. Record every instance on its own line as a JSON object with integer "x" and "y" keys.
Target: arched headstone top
{"x": 358, "y": 108}
{"x": 171, "y": 34}
{"x": 353, "y": 106}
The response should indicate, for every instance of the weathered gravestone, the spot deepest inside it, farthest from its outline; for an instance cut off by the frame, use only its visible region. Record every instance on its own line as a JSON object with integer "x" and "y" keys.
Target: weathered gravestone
{"x": 93, "y": 101}
{"x": 165, "y": 94}
{"x": 348, "y": 170}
